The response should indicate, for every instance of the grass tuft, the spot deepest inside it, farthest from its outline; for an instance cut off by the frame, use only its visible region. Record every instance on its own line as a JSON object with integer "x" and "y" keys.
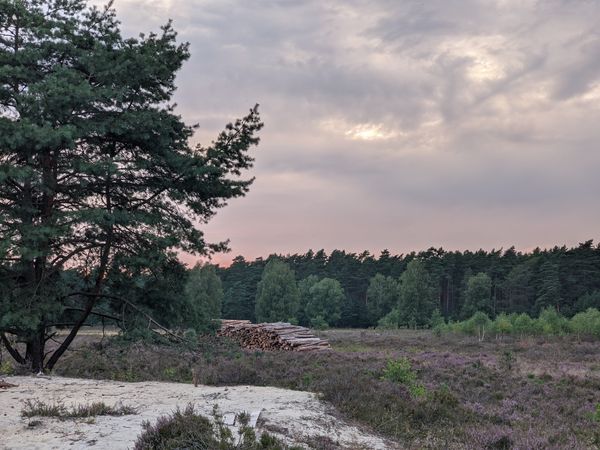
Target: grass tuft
{"x": 37, "y": 408}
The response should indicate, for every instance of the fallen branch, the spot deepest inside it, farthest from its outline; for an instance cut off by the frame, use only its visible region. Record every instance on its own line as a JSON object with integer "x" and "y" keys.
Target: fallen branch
{"x": 5, "y": 385}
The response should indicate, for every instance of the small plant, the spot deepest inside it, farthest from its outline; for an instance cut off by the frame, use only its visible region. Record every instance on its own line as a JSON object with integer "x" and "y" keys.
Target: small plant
{"x": 318, "y": 323}
{"x": 390, "y": 321}
{"x": 101, "y": 409}
{"x": 507, "y": 361}
{"x": 438, "y": 324}
{"x": 400, "y": 371}
{"x": 191, "y": 430}
{"x": 190, "y": 335}
{"x": 170, "y": 373}
{"x": 37, "y": 408}
{"x": 596, "y": 413}
{"x": 481, "y": 323}
{"x": 417, "y": 390}
{"x": 443, "y": 396}
{"x": 6, "y": 368}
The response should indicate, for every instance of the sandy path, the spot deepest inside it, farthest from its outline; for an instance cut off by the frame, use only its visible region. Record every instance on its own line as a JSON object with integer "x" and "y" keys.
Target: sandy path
{"x": 297, "y": 414}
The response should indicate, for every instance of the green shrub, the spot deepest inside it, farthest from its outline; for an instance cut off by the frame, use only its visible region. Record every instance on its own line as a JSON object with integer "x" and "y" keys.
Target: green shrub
{"x": 551, "y": 322}
{"x": 391, "y": 321}
{"x": 586, "y": 323}
{"x": 524, "y": 325}
{"x": 443, "y": 396}
{"x": 507, "y": 361}
{"x": 479, "y": 323}
{"x": 596, "y": 413}
{"x": 188, "y": 429}
{"x": 417, "y": 390}
{"x": 6, "y": 368}
{"x": 437, "y": 322}
{"x": 502, "y": 325}
{"x": 190, "y": 335}
{"x": 400, "y": 371}
{"x": 318, "y": 323}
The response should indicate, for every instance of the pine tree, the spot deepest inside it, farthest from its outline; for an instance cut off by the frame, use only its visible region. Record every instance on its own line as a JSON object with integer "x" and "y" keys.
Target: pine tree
{"x": 518, "y": 289}
{"x": 96, "y": 172}
{"x": 549, "y": 291}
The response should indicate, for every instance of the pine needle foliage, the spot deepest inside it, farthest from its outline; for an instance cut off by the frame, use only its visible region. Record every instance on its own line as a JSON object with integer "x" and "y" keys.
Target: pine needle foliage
{"x": 96, "y": 170}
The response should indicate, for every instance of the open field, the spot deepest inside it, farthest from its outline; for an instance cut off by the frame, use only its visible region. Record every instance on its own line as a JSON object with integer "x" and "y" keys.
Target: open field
{"x": 456, "y": 393}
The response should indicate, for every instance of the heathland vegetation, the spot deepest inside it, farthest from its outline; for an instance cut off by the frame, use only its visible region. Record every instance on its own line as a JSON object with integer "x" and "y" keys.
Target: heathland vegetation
{"x": 415, "y": 387}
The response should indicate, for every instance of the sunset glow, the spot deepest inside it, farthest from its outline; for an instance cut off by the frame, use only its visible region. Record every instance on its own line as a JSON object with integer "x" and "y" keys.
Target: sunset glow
{"x": 397, "y": 125}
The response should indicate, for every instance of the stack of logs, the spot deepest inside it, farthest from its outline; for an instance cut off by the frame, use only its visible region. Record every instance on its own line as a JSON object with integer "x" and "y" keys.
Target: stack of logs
{"x": 272, "y": 336}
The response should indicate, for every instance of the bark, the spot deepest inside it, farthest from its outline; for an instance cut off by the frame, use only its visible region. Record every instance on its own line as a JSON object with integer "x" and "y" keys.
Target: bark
{"x": 35, "y": 351}
{"x": 11, "y": 350}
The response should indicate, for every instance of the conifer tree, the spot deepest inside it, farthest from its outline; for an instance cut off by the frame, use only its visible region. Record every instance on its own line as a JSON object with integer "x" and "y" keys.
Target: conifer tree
{"x": 549, "y": 291}
{"x": 96, "y": 171}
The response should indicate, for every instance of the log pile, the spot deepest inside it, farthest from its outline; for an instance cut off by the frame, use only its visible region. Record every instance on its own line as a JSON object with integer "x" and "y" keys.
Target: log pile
{"x": 272, "y": 336}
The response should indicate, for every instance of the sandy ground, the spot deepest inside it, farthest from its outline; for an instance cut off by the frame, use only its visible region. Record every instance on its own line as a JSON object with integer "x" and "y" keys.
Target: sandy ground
{"x": 293, "y": 414}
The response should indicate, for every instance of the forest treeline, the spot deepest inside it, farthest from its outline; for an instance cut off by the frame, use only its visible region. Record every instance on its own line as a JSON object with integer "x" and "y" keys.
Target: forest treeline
{"x": 343, "y": 289}
{"x": 360, "y": 289}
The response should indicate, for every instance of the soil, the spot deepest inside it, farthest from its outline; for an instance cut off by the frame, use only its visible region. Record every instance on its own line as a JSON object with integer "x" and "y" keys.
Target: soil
{"x": 294, "y": 416}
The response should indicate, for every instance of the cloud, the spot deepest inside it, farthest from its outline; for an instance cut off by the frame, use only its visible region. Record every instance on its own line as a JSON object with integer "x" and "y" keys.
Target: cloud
{"x": 399, "y": 124}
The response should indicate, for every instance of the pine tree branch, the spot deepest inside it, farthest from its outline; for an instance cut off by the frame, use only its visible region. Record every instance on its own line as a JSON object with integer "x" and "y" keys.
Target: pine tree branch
{"x": 95, "y": 313}
{"x": 93, "y": 298}
{"x": 136, "y": 308}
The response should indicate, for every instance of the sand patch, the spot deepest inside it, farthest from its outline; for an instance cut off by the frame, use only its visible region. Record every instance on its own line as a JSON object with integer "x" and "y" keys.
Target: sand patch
{"x": 295, "y": 414}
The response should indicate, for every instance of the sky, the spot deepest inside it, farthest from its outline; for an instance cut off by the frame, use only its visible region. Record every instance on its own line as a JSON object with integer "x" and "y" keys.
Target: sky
{"x": 397, "y": 124}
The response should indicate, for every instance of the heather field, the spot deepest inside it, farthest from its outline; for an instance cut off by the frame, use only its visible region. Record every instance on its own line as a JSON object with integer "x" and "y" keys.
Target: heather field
{"x": 416, "y": 388}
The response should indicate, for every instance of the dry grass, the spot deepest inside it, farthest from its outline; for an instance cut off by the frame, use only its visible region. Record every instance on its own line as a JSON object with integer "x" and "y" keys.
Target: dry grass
{"x": 37, "y": 408}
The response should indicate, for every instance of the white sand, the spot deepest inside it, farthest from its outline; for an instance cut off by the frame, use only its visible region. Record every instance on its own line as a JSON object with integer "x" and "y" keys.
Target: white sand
{"x": 294, "y": 414}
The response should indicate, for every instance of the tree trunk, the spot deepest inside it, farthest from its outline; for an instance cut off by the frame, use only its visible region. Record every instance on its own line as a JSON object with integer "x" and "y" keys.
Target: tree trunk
{"x": 35, "y": 351}
{"x": 12, "y": 350}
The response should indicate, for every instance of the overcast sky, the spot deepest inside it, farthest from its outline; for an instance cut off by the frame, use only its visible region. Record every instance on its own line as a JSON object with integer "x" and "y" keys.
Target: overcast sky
{"x": 398, "y": 124}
